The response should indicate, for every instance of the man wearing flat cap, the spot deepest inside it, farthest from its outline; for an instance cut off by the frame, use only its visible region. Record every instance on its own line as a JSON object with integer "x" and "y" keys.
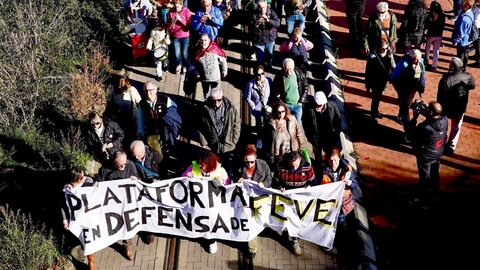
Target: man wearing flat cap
{"x": 322, "y": 124}
{"x": 381, "y": 26}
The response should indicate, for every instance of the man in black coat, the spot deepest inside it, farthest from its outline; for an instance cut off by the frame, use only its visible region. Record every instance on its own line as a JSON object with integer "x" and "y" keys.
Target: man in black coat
{"x": 323, "y": 125}
{"x": 146, "y": 160}
{"x": 429, "y": 142}
{"x": 453, "y": 90}
{"x": 103, "y": 138}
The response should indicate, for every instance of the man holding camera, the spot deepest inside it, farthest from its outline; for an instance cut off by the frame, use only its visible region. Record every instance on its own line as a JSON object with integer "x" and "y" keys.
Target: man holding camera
{"x": 453, "y": 91}
{"x": 407, "y": 78}
{"x": 429, "y": 140}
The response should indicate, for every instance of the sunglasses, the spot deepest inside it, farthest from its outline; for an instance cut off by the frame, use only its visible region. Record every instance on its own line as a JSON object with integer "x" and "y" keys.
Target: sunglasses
{"x": 260, "y": 73}
{"x": 249, "y": 162}
{"x": 96, "y": 123}
{"x": 383, "y": 49}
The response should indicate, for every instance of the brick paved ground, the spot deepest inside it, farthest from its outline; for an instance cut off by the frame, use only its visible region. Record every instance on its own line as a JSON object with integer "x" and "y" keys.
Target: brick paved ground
{"x": 401, "y": 234}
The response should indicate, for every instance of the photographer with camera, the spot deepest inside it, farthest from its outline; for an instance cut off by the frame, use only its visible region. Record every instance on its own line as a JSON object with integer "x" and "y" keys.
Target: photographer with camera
{"x": 453, "y": 90}
{"x": 429, "y": 140}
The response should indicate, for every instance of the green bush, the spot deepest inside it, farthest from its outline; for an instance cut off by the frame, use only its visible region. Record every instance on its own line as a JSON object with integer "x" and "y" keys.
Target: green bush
{"x": 26, "y": 245}
{"x": 54, "y": 153}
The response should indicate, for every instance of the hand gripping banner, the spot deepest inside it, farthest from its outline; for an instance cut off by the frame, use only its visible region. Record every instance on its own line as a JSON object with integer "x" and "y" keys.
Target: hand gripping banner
{"x": 199, "y": 207}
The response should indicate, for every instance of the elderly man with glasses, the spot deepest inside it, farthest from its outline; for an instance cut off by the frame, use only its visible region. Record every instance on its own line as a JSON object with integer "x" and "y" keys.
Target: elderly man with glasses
{"x": 219, "y": 127}
{"x": 161, "y": 118}
{"x": 381, "y": 25}
{"x": 122, "y": 168}
{"x": 103, "y": 137}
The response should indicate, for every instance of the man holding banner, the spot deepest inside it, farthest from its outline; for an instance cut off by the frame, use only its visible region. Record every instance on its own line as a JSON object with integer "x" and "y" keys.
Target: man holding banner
{"x": 123, "y": 168}
{"x": 295, "y": 172}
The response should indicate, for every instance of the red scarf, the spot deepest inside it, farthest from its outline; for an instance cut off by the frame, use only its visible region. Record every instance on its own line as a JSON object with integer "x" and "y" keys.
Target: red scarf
{"x": 212, "y": 48}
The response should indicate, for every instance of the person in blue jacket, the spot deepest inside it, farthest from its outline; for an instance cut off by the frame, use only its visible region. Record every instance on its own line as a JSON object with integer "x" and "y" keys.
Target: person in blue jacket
{"x": 207, "y": 20}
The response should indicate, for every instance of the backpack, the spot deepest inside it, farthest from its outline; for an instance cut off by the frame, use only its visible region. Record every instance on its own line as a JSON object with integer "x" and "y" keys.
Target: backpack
{"x": 473, "y": 35}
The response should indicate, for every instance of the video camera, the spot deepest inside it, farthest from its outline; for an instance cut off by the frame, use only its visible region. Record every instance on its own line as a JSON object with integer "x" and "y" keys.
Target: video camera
{"x": 420, "y": 107}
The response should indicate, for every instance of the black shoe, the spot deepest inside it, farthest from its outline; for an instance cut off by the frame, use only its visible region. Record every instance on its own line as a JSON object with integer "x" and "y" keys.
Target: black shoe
{"x": 159, "y": 78}
{"x": 448, "y": 151}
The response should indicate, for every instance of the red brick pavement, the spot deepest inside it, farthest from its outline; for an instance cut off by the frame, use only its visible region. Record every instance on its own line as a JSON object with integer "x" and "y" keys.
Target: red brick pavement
{"x": 400, "y": 233}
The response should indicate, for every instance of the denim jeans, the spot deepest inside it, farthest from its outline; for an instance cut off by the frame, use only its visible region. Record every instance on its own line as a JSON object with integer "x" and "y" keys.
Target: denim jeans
{"x": 180, "y": 46}
{"x": 264, "y": 52}
{"x": 296, "y": 110}
{"x": 294, "y": 19}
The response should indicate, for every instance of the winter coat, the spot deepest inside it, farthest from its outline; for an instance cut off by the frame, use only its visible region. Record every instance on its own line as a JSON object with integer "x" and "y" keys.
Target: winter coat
{"x": 373, "y": 31}
{"x": 297, "y": 136}
{"x": 111, "y": 134}
{"x": 253, "y": 98}
{"x": 413, "y": 25}
{"x": 453, "y": 90}
{"x": 462, "y": 27}
{"x": 262, "y": 173}
{"x": 210, "y": 27}
{"x": 264, "y": 33}
{"x": 430, "y": 137}
{"x": 278, "y": 86}
{"x": 225, "y": 142}
{"x": 152, "y": 163}
{"x": 323, "y": 128}
{"x": 378, "y": 70}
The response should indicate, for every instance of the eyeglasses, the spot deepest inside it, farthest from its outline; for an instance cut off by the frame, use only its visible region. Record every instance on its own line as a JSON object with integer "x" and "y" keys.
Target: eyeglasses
{"x": 250, "y": 161}
{"x": 96, "y": 123}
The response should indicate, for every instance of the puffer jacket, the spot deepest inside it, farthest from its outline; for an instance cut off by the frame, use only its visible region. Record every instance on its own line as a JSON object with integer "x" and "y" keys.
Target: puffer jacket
{"x": 430, "y": 137}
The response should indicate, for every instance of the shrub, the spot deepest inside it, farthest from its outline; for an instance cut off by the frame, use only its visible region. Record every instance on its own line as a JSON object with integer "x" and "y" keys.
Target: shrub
{"x": 25, "y": 245}
{"x": 87, "y": 87}
{"x": 42, "y": 150}
{"x": 42, "y": 43}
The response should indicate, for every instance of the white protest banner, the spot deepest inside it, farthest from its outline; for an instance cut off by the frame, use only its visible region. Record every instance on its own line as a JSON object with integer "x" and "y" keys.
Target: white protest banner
{"x": 199, "y": 207}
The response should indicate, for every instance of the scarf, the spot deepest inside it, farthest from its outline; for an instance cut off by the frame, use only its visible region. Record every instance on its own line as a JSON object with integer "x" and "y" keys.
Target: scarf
{"x": 212, "y": 48}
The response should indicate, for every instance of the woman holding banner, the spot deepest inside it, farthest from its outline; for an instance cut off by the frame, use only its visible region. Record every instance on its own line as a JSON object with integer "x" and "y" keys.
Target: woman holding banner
{"x": 209, "y": 166}
{"x": 77, "y": 179}
{"x": 256, "y": 170}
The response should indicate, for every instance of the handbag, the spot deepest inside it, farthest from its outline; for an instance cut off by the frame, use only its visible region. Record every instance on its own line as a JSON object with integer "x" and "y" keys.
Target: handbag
{"x": 348, "y": 201}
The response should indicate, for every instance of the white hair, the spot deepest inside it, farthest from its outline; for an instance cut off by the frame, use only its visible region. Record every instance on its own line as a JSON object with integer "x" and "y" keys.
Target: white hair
{"x": 137, "y": 144}
{"x": 288, "y": 61}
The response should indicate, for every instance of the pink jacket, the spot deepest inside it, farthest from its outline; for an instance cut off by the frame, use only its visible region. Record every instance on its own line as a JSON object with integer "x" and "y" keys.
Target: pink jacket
{"x": 179, "y": 28}
{"x": 287, "y": 45}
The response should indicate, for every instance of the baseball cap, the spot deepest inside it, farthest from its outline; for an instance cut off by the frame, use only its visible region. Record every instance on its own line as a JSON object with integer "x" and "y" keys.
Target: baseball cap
{"x": 320, "y": 98}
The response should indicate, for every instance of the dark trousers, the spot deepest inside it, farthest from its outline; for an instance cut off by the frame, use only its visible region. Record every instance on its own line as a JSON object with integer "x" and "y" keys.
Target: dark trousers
{"x": 429, "y": 175}
{"x": 476, "y": 46}
{"x": 462, "y": 53}
{"x": 376, "y": 97}
{"x": 405, "y": 99}
{"x": 354, "y": 10}
{"x": 227, "y": 160}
